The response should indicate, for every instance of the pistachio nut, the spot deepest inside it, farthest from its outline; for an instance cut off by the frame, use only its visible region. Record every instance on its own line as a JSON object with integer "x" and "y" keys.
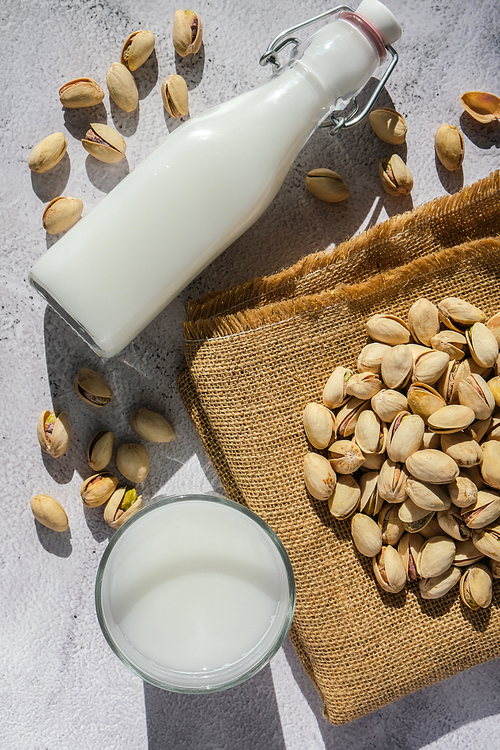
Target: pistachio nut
{"x": 493, "y": 324}
{"x": 373, "y": 461}
{"x": 483, "y": 345}
{"x": 187, "y": 33}
{"x": 392, "y": 481}
{"x": 98, "y": 488}
{"x": 345, "y": 421}
{"x": 395, "y": 176}
{"x": 481, "y": 427}
{"x": 467, "y": 553}
{"x": 447, "y": 384}
{"x": 49, "y": 512}
{"x": 174, "y": 92}
{"x": 490, "y": 467}
{"x": 327, "y": 185}
{"x": 451, "y": 418}
{"x": 436, "y": 556}
{"x": 345, "y": 457}
{"x": 429, "y": 366}
{"x": 363, "y": 385}
{"x": 318, "y": 425}
{"x": 61, "y": 214}
{"x": 494, "y": 386}
{"x": 476, "y": 589}
{"x": 122, "y": 87}
{"x": 431, "y": 527}
{"x": 397, "y": 366}
{"x": 370, "y": 357}
{"x": 53, "y": 432}
{"x": 334, "y": 392}
{"x": 438, "y": 586}
{"x": 408, "y": 547}
{"x": 451, "y": 342}
{"x": 458, "y": 314}
{"x": 432, "y": 466}
{"x": 389, "y": 125}
{"x": 370, "y": 502}
{"x": 450, "y": 146}
{"x": 132, "y": 460}
{"x": 423, "y": 321}
{"x": 390, "y": 525}
{"x": 47, "y": 153}
{"x": 462, "y": 491}
{"x": 137, "y": 48}
{"x": 389, "y": 570}
{"x": 104, "y": 143}
{"x": 404, "y": 436}
{"x": 452, "y": 523}
{"x": 481, "y": 105}
{"x": 475, "y": 393}
{"x": 100, "y": 450}
{"x": 387, "y": 329}
{"x": 427, "y": 496}
{"x": 344, "y": 499}
{"x": 424, "y": 400}
{"x": 431, "y": 440}
{"x": 151, "y": 426}
{"x": 81, "y": 92}
{"x": 319, "y": 476}
{"x": 484, "y": 512}
{"x": 366, "y": 535}
{"x": 370, "y": 433}
{"x": 462, "y": 448}
{"x": 387, "y": 404}
{"x": 92, "y": 388}
{"x": 122, "y": 505}
{"x": 414, "y": 519}
{"x": 487, "y": 541}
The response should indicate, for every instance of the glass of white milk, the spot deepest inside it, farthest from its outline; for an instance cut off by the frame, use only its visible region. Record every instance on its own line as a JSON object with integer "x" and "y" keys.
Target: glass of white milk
{"x": 195, "y": 593}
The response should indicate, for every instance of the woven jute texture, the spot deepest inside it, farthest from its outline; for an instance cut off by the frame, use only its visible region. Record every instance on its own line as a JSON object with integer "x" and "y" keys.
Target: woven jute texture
{"x": 257, "y": 354}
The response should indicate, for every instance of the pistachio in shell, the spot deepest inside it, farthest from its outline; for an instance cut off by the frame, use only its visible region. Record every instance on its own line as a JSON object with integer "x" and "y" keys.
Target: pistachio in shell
{"x": 187, "y": 32}
{"x": 92, "y": 388}
{"x": 408, "y": 547}
{"x": 122, "y": 505}
{"x": 370, "y": 357}
{"x": 104, "y": 143}
{"x": 318, "y": 425}
{"x": 481, "y": 105}
{"x": 458, "y": 314}
{"x": 98, "y": 488}
{"x": 137, "y": 48}
{"x": 47, "y": 153}
{"x": 436, "y": 556}
{"x": 327, "y": 185}
{"x": 61, "y": 214}
{"x": 450, "y": 147}
{"x": 345, "y": 456}
{"x": 100, "y": 450}
{"x": 476, "y": 587}
{"x": 344, "y": 499}
{"x": 395, "y": 176}
{"x": 387, "y": 329}
{"x": 432, "y": 466}
{"x": 132, "y": 460}
{"x": 152, "y": 426}
{"x": 49, "y": 512}
{"x": 53, "y": 432}
{"x": 389, "y": 570}
{"x": 467, "y": 553}
{"x": 388, "y": 125}
{"x": 81, "y": 92}
{"x": 438, "y": 586}
{"x": 174, "y": 93}
{"x": 335, "y": 391}
{"x": 319, "y": 476}
{"x": 366, "y": 535}
{"x": 423, "y": 320}
{"x": 122, "y": 87}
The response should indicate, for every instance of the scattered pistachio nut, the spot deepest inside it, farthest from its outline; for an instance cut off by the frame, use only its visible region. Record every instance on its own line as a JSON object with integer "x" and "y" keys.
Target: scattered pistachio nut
{"x": 132, "y": 460}
{"x": 319, "y": 477}
{"x": 49, "y": 512}
{"x": 122, "y": 505}
{"x": 53, "y": 432}
{"x": 187, "y": 33}
{"x": 100, "y": 450}
{"x": 122, "y": 87}
{"x": 327, "y": 185}
{"x": 476, "y": 587}
{"x": 481, "y": 105}
{"x": 61, "y": 214}
{"x": 174, "y": 92}
{"x": 92, "y": 388}
{"x": 318, "y": 425}
{"x": 450, "y": 146}
{"x": 104, "y": 143}
{"x": 389, "y": 125}
{"x": 47, "y": 153}
{"x": 137, "y": 48}
{"x": 395, "y": 176}
{"x": 81, "y": 92}
{"x": 151, "y": 426}
{"x": 97, "y": 489}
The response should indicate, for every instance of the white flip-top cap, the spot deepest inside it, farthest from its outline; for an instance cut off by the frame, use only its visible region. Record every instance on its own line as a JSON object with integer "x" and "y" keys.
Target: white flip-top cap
{"x": 381, "y": 18}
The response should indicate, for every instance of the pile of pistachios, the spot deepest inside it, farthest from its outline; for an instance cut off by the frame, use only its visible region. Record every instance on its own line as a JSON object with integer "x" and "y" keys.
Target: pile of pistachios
{"x": 132, "y": 459}
{"x": 408, "y": 448}
{"x": 101, "y": 141}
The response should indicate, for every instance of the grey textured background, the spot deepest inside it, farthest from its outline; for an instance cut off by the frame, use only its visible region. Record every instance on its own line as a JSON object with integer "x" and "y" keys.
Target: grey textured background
{"x": 61, "y": 687}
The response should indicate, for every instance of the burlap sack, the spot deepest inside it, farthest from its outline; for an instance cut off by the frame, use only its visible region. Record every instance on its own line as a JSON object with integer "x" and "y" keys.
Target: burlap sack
{"x": 256, "y": 355}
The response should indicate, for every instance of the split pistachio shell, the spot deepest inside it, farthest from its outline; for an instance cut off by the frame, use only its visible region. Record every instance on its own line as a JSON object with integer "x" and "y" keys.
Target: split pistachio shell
{"x": 137, "y": 48}
{"x": 318, "y": 424}
{"x": 438, "y": 586}
{"x": 345, "y": 421}
{"x": 104, "y": 143}
{"x": 484, "y": 512}
{"x": 482, "y": 344}
{"x": 397, "y": 366}
{"x": 97, "y": 489}
{"x": 345, "y": 457}
{"x": 327, "y": 185}
{"x": 431, "y": 528}
{"x": 432, "y": 466}
{"x": 151, "y": 426}
{"x": 122, "y": 87}
{"x": 344, "y": 499}
{"x": 414, "y": 518}
{"x": 387, "y": 329}
{"x": 373, "y": 461}
{"x": 462, "y": 449}
{"x": 462, "y": 491}
{"x": 476, "y": 588}
{"x": 451, "y": 342}
{"x": 429, "y": 366}
{"x": 370, "y": 434}
{"x": 458, "y": 314}
{"x": 475, "y": 392}
{"x": 389, "y": 570}
{"x": 363, "y": 385}
{"x": 467, "y": 553}
{"x": 61, "y": 214}
{"x": 370, "y": 501}
{"x": 480, "y": 428}
{"x": 474, "y": 474}
{"x": 436, "y": 556}
{"x": 174, "y": 92}
{"x": 487, "y": 541}
{"x": 370, "y": 357}
{"x": 494, "y": 325}
{"x": 319, "y": 476}
{"x": 390, "y": 524}
{"x": 132, "y": 460}
{"x": 408, "y": 547}
{"x": 490, "y": 467}
{"x": 122, "y": 505}
{"x": 451, "y": 418}
{"x": 334, "y": 392}
{"x": 53, "y": 432}
{"x": 404, "y": 436}
{"x": 100, "y": 450}
{"x": 187, "y": 33}
{"x": 423, "y": 320}
{"x": 388, "y": 403}
{"x": 392, "y": 481}
{"x": 366, "y": 535}
{"x": 81, "y": 92}
{"x": 494, "y": 386}
{"x": 424, "y": 400}
{"x": 450, "y": 146}
{"x": 447, "y": 384}
{"x": 430, "y": 440}
{"x": 395, "y": 176}
{"x": 453, "y": 524}
{"x": 427, "y": 496}
{"x": 389, "y": 125}
{"x": 49, "y": 512}
{"x": 47, "y": 153}
{"x": 481, "y": 105}
{"x": 92, "y": 388}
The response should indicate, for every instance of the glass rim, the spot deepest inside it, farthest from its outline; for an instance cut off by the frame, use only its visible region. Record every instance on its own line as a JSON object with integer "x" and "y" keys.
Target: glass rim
{"x": 161, "y": 501}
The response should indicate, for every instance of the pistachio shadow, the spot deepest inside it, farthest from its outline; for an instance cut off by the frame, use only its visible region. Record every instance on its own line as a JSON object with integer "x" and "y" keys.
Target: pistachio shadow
{"x": 452, "y": 182}
{"x": 51, "y": 184}
{"x": 58, "y": 543}
{"x": 77, "y": 121}
{"x": 146, "y": 76}
{"x": 483, "y": 135}
{"x": 191, "y": 67}
{"x": 125, "y": 122}
{"x": 106, "y": 176}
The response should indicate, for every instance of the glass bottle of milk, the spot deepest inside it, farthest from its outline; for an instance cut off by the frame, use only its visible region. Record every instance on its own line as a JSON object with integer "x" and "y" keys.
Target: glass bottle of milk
{"x": 187, "y": 202}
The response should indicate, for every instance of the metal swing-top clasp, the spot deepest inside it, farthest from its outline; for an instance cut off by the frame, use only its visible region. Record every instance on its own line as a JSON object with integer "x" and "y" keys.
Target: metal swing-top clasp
{"x": 286, "y": 38}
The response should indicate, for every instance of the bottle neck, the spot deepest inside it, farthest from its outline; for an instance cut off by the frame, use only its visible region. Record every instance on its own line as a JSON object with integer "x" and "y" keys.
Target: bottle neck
{"x": 368, "y": 29}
